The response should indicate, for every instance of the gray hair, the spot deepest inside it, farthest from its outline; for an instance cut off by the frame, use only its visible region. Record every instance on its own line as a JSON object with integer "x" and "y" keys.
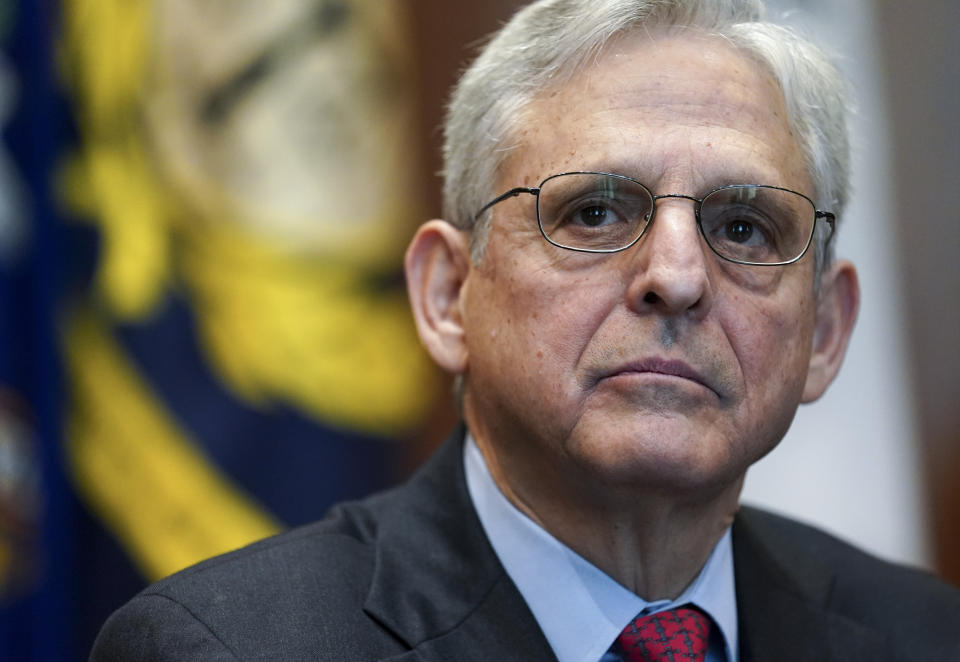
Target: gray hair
{"x": 548, "y": 41}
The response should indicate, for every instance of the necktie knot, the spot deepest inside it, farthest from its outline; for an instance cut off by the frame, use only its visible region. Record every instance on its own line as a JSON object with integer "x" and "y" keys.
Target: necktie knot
{"x": 674, "y": 635}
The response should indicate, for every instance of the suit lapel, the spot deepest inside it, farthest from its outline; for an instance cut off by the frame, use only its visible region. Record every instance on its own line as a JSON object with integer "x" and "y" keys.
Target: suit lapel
{"x": 498, "y": 629}
{"x": 783, "y": 604}
{"x": 437, "y": 583}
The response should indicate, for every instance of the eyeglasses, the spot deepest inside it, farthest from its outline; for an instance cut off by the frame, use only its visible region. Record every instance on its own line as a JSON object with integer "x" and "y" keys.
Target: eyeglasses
{"x": 600, "y": 212}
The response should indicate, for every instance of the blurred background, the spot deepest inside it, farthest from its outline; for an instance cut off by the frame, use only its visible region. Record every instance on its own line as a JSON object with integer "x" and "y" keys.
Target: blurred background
{"x": 204, "y": 334}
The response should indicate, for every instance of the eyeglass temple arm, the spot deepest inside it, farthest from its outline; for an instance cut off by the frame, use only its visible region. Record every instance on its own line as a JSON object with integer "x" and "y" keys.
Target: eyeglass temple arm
{"x": 512, "y": 193}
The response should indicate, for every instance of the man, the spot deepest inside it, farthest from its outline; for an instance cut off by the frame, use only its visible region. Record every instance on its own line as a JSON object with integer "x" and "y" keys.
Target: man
{"x": 635, "y": 289}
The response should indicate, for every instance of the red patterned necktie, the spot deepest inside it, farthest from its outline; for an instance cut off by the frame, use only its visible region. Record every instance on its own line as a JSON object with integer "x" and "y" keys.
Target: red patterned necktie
{"x": 674, "y": 635}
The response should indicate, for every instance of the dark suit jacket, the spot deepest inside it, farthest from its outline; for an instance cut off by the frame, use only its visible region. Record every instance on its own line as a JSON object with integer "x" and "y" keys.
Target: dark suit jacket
{"x": 409, "y": 575}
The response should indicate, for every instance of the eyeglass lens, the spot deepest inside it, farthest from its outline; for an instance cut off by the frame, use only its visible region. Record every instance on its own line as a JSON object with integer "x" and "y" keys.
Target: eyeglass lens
{"x": 604, "y": 212}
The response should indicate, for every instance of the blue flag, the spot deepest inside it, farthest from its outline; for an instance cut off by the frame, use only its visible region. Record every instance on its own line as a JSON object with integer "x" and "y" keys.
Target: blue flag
{"x": 206, "y": 337}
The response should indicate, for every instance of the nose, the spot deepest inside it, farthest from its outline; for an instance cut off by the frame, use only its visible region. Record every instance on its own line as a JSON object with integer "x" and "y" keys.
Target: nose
{"x": 669, "y": 265}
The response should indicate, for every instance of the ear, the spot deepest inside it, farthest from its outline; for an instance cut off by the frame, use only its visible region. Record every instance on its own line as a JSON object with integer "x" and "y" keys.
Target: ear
{"x": 837, "y": 306}
{"x": 436, "y": 265}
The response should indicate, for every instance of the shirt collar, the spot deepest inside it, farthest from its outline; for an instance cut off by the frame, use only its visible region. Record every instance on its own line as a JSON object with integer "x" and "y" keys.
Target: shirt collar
{"x": 583, "y": 619}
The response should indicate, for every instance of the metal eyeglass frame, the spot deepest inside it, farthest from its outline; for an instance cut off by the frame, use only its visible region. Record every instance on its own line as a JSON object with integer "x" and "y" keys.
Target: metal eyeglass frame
{"x": 829, "y": 217}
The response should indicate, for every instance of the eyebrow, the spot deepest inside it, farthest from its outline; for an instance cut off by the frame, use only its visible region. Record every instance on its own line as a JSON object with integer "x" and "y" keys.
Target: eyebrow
{"x": 724, "y": 176}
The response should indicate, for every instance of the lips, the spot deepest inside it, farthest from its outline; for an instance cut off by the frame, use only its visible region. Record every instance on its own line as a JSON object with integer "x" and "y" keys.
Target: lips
{"x": 658, "y": 366}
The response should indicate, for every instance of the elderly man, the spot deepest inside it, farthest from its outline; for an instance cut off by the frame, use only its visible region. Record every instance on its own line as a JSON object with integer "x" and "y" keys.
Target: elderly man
{"x": 635, "y": 288}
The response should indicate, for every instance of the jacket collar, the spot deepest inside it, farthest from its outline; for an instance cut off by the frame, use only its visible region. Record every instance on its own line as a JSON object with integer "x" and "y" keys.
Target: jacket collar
{"x": 437, "y": 583}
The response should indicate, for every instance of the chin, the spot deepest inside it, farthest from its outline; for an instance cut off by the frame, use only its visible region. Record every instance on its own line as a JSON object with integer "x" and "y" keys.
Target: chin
{"x": 677, "y": 464}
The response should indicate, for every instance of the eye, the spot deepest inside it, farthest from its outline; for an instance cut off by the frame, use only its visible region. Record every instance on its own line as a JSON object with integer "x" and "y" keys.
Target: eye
{"x": 589, "y": 213}
{"x": 741, "y": 232}
{"x": 594, "y": 215}
{"x": 593, "y": 223}
{"x": 593, "y": 211}
{"x": 740, "y": 226}
{"x": 760, "y": 224}
{"x": 738, "y": 231}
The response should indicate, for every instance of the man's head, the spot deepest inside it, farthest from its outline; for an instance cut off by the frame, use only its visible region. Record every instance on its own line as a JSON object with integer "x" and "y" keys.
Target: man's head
{"x": 662, "y": 366}
{"x": 548, "y": 42}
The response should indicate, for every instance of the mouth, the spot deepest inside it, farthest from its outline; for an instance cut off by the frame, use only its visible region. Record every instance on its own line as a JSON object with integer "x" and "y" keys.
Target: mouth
{"x": 653, "y": 366}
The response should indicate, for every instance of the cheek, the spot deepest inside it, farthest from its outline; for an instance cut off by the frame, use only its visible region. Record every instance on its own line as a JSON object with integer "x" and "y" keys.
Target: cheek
{"x": 563, "y": 312}
{"x": 771, "y": 338}
{"x": 531, "y": 323}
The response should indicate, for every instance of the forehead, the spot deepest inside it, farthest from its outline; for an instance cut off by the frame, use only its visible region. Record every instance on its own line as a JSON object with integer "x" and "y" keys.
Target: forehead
{"x": 666, "y": 108}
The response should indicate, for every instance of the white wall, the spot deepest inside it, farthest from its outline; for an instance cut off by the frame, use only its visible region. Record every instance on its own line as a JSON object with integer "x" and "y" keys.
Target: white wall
{"x": 850, "y": 463}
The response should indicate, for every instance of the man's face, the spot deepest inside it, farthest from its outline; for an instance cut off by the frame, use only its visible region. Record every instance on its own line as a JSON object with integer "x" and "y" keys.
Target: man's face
{"x": 661, "y": 365}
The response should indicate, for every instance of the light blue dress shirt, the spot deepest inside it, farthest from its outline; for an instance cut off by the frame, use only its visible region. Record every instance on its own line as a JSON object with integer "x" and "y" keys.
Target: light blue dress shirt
{"x": 580, "y": 609}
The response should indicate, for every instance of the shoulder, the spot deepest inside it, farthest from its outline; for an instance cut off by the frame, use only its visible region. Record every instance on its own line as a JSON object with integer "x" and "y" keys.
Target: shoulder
{"x": 910, "y": 604}
{"x": 319, "y": 591}
{"x": 810, "y": 549}
{"x": 340, "y": 545}
{"x": 275, "y": 599}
